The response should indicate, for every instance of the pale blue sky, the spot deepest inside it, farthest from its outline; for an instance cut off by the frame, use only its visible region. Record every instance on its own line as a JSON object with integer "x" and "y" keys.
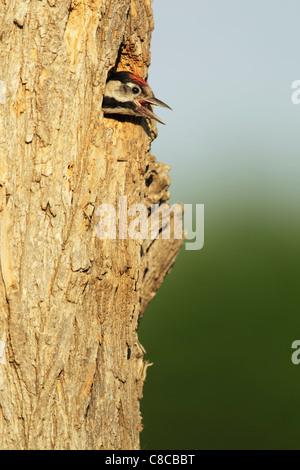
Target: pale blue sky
{"x": 226, "y": 69}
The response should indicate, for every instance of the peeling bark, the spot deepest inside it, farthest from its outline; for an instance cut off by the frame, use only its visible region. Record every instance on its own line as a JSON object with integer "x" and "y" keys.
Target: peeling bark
{"x": 70, "y": 303}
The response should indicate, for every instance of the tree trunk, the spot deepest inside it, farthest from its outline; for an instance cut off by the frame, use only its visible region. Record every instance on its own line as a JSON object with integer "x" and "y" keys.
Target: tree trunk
{"x": 71, "y": 365}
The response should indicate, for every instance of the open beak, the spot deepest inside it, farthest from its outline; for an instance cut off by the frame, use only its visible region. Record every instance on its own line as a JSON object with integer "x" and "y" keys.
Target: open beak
{"x": 143, "y": 108}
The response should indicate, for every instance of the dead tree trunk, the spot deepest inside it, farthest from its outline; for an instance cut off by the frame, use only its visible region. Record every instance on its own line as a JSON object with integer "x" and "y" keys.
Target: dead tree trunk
{"x": 71, "y": 366}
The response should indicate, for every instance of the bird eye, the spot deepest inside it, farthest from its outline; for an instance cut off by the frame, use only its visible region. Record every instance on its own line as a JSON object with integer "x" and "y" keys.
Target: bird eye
{"x": 135, "y": 90}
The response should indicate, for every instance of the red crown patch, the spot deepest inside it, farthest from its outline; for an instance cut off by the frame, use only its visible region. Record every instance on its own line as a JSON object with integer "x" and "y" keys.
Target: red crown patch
{"x": 138, "y": 80}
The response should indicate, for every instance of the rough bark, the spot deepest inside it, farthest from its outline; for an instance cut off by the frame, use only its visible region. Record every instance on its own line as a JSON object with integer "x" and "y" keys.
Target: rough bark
{"x": 72, "y": 371}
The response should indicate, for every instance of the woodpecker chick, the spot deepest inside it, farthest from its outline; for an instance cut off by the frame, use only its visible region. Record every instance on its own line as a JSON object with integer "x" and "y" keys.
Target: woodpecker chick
{"x": 126, "y": 93}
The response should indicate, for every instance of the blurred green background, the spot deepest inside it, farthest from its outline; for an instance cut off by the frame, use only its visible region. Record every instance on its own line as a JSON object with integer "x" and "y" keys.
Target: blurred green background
{"x": 220, "y": 329}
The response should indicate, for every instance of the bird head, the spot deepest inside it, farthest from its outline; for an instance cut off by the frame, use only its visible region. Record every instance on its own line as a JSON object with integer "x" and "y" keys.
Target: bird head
{"x": 126, "y": 93}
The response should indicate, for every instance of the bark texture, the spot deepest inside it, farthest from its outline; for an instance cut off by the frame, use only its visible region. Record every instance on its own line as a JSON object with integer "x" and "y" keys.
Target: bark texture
{"x": 71, "y": 365}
